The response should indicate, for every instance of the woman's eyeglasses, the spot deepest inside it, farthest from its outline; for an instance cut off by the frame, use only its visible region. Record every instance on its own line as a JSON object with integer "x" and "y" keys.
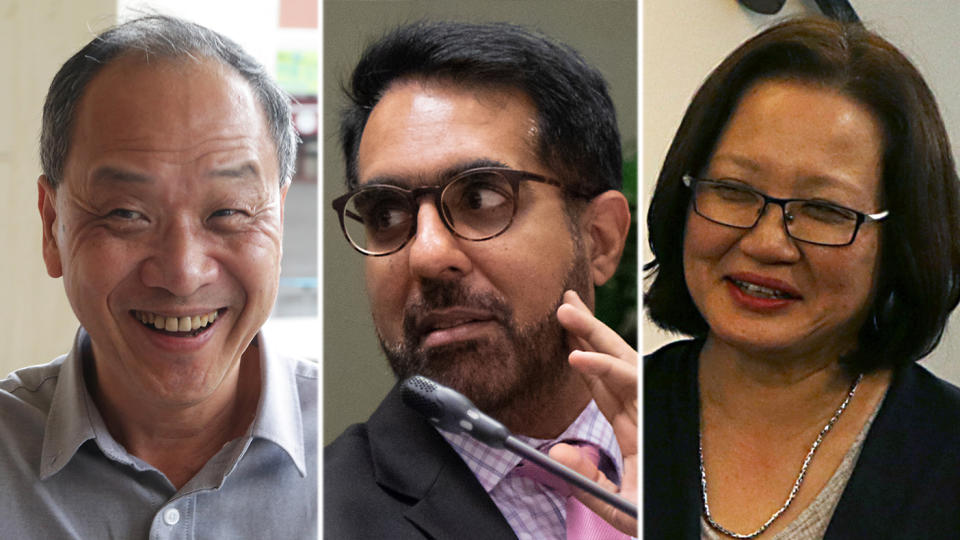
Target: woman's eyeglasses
{"x": 814, "y": 221}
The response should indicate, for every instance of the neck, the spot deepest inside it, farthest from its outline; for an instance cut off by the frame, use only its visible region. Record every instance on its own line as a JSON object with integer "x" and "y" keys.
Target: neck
{"x": 178, "y": 439}
{"x": 547, "y": 413}
{"x": 759, "y": 391}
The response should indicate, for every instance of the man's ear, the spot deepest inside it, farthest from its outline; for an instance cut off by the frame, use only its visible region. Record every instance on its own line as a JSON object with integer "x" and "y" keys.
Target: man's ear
{"x": 605, "y": 223}
{"x": 47, "y": 204}
{"x": 283, "y": 198}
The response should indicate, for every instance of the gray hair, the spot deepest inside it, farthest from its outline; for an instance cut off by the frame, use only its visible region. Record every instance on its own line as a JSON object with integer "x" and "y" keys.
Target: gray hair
{"x": 168, "y": 37}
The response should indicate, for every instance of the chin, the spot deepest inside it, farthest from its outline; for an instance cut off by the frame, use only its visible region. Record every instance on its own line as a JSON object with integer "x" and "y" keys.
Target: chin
{"x": 483, "y": 371}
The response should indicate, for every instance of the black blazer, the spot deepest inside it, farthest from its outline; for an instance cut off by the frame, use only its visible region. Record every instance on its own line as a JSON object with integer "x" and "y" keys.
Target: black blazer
{"x": 395, "y": 477}
{"x": 905, "y": 485}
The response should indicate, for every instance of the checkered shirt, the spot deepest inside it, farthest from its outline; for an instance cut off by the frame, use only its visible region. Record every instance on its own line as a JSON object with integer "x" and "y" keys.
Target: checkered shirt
{"x": 534, "y": 511}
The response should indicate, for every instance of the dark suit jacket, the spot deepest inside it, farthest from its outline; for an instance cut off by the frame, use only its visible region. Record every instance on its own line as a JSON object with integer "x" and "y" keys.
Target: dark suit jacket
{"x": 395, "y": 477}
{"x": 905, "y": 485}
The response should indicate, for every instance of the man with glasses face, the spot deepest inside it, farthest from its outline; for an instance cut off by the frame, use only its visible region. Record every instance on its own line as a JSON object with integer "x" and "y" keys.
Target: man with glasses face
{"x": 483, "y": 163}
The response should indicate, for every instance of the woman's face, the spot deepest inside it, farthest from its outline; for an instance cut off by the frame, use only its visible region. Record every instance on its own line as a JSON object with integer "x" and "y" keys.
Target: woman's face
{"x": 759, "y": 290}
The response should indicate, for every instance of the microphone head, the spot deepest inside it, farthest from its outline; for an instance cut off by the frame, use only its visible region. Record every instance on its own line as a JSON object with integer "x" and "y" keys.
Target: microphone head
{"x": 417, "y": 392}
{"x": 451, "y": 410}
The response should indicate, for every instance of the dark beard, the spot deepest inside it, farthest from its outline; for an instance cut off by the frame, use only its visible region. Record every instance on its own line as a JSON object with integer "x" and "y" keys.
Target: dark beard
{"x": 507, "y": 375}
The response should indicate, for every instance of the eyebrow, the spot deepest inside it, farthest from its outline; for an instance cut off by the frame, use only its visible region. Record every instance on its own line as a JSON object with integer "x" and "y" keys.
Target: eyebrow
{"x": 443, "y": 177}
{"x": 811, "y": 181}
{"x": 246, "y": 170}
{"x": 739, "y": 161}
{"x": 109, "y": 174}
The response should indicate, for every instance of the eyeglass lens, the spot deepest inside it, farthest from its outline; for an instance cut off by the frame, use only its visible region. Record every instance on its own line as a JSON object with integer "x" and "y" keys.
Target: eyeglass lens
{"x": 807, "y": 220}
{"x": 475, "y": 206}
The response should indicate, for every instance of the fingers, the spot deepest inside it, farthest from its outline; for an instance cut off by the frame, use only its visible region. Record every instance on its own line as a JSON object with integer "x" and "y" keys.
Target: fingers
{"x": 572, "y": 457}
{"x": 609, "y": 368}
{"x": 591, "y": 334}
{"x": 620, "y": 376}
{"x": 608, "y": 363}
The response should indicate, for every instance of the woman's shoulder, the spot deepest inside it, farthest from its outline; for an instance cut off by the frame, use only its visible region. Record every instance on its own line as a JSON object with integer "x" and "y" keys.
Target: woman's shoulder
{"x": 670, "y": 373}
{"x": 917, "y": 393}
{"x": 909, "y": 465}
{"x": 671, "y": 356}
{"x": 918, "y": 423}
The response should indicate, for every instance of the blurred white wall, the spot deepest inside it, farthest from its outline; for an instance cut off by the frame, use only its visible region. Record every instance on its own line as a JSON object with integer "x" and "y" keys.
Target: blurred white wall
{"x": 684, "y": 39}
{"x": 251, "y": 24}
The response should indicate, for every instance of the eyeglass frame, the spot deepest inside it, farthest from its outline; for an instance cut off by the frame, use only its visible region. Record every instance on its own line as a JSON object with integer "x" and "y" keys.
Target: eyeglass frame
{"x": 513, "y": 176}
{"x": 862, "y": 217}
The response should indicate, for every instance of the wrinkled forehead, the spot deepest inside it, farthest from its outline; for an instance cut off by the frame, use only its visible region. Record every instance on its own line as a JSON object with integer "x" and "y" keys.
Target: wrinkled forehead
{"x": 169, "y": 106}
{"x": 184, "y": 92}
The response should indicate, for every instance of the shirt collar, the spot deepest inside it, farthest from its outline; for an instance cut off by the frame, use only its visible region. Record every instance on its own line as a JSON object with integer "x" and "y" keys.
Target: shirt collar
{"x": 491, "y": 465}
{"x": 279, "y": 418}
{"x": 74, "y": 419}
{"x": 72, "y": 415}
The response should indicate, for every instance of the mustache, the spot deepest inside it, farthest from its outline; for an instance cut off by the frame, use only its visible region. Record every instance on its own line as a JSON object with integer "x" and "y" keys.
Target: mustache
{"x": 442, "y": 294}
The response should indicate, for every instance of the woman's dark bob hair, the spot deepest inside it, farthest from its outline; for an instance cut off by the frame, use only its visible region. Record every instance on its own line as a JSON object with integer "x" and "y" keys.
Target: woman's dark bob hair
{"x": 919, "y": 276}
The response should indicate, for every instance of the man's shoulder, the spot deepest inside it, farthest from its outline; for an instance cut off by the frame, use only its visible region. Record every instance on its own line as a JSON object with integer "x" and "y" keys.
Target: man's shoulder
{"x": 31, "y": 386}
{"x": 26, "y": 398}
{"x": 349, "y": 460}
{"x": 304, "y": 370}
{"x": 395, "y": 477}
{"x": 354, "y": 505}
{"x": 348, "y": 455}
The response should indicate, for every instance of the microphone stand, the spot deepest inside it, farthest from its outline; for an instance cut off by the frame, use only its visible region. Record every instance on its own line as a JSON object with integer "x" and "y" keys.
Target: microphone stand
{"x": 452, "y": 411}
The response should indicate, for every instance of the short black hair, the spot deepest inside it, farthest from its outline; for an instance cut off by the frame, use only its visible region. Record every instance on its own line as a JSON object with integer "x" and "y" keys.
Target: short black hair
{"x": 166, "y": 37}
{"x": 919, "y": 278}
{"x": 577, "y": 127}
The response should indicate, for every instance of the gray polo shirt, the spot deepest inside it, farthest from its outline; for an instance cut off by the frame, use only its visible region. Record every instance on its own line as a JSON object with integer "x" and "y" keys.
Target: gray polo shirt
{"x": 62, "y": 475}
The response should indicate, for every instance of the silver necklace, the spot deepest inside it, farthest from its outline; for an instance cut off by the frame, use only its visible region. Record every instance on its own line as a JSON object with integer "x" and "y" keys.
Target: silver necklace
{"x": 796, "y": 485}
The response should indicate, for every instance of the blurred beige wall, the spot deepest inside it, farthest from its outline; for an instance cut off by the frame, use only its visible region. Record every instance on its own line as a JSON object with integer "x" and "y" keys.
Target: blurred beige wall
{"x": 36, "y": 37}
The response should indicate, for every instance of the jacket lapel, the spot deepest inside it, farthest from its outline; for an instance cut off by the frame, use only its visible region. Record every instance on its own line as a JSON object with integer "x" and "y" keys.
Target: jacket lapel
{"x": 905, "y": 481}
{"x": 410, "y": 458}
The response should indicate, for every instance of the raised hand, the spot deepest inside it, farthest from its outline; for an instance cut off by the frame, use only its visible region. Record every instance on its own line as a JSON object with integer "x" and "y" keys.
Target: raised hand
{"x": 609, "y": 367}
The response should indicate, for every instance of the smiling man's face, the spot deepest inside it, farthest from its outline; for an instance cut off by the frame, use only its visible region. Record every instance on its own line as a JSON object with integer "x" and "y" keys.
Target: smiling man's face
{"x": 478, "y": 316}
{"x": 167, "y": 226}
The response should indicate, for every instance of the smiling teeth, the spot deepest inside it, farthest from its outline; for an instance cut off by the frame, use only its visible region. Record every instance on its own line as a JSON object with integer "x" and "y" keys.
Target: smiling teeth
{"x": 758, "y": 290}
{"x": 176, "y": 324}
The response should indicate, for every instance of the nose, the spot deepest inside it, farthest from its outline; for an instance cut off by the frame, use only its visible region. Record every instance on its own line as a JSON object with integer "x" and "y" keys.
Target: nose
{"x": 768, "y": 240}
{"x": 435, "y": 253}
{"x": 180, "y": 260}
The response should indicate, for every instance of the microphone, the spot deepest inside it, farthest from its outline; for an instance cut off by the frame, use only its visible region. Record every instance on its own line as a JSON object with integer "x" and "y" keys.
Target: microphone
{"x": 452, "y": 411}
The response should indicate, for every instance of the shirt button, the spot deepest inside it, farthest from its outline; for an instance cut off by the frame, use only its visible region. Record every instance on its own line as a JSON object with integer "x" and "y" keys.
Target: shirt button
{"x": 171, "y": 516}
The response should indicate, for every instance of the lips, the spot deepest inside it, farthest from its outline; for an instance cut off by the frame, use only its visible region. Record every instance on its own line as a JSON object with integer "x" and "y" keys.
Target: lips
{"x": 177, "y": 325}
{"x": 452, "y": 324}
{"x": 761, "y": 293}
